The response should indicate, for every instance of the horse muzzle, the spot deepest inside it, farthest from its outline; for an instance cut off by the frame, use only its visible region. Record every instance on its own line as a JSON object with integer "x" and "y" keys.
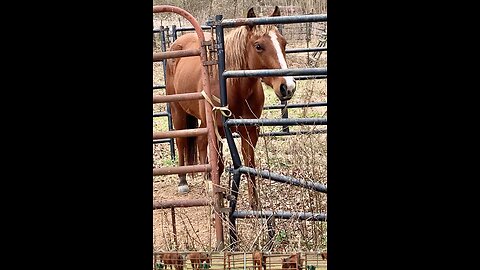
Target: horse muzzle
{"x": 285, "y": 93}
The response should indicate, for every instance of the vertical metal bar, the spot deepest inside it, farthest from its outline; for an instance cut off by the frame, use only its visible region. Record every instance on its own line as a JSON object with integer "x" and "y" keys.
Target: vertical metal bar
{"x": 167, "y": 36}
{"x": 174, "y": 32}
{"x": 169, "y": 112}
{"x": 153, "y": 34}
{"x": 244, "y": 261}
{"x": 233, "y": 205}
{"x": 228, "y": 134}
{"x": 213, "y": 157}
{"x": 223, "y": 89}
{"x": 174, "y": 227}
{"x": 285, "y": 115}
{"x": 229, "y": 268}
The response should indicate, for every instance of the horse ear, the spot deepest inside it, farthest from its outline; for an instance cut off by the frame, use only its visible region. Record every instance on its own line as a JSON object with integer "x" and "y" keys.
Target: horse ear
{"x": 251, "y": 13}
{"x": 276, "y": 12}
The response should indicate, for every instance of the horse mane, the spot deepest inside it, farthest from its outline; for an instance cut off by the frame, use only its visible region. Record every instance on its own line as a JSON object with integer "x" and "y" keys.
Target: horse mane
{"x": 236, "y": 42}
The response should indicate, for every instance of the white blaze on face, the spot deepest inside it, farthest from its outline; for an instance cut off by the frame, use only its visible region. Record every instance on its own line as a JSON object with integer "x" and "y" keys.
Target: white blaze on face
{"x": 283, "y": 64}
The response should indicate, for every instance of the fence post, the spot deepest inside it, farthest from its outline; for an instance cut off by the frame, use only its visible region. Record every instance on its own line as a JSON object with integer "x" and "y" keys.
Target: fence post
{"x": 174, "y": 228}
{"x": 174, "y": 33}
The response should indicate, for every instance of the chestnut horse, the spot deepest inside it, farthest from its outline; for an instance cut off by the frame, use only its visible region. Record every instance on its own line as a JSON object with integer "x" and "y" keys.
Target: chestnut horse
{"x": 293, "y": 261}
{"x": 198, "y": 258}
{"x": 172, "y": 259}
{"x": 246, "y": 48}
{"x": 259, "y": 260}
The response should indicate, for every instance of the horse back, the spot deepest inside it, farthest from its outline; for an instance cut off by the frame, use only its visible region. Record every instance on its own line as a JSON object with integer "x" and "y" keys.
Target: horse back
{"x": 185, "y": 69}
{"x": 183, "y": 75}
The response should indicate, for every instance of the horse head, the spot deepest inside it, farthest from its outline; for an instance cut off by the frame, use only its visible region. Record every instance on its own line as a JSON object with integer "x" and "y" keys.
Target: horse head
{"x": 266, "y": 50}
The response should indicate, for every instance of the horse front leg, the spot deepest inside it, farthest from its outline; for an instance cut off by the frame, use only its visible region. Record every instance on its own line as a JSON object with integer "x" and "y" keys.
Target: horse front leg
{"x": 249, "y": 137}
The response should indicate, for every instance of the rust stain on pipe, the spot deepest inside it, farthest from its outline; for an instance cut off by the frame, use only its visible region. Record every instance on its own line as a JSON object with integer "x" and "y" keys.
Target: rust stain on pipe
{"x": 182, "y": 169}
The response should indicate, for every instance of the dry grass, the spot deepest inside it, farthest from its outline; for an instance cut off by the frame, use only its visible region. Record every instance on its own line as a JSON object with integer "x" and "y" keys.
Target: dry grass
{"x": 301, "y": 156}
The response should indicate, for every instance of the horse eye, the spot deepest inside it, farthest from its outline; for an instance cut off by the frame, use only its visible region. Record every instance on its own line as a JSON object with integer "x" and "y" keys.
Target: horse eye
{"x": 258, "y": 47}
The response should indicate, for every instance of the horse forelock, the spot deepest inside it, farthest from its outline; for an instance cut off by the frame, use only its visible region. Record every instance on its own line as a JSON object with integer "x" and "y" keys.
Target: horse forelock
{"x": 236, "y": 45}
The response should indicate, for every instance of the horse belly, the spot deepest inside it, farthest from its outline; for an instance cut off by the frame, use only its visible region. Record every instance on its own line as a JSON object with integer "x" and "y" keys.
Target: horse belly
{"x": 187, "y": 79}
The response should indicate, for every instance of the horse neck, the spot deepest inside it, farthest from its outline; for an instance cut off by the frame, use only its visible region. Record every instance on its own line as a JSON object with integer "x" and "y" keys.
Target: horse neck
{"x": 236, "y": 52}
{"x": 241, "y": 88}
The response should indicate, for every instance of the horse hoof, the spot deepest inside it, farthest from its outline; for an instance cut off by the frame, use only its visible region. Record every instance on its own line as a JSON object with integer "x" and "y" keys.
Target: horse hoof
{"x": 183, "y": 189}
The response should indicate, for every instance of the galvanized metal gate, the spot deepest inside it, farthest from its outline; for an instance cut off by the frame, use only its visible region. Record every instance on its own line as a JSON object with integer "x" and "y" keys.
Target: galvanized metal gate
{"x": 238, "y": 168}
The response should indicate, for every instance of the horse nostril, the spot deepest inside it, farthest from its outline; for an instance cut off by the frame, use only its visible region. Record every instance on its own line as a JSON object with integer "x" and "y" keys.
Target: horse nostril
{"x": 283, "y": 90}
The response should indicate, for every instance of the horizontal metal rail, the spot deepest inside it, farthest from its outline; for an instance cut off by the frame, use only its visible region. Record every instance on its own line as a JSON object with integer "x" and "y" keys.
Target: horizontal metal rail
{"x": 160, "y": 114}
{"x": 284, "y": 179}
{"x": 158, "y": 86}
{"x": 274, "y": 72}
{"x": 182, "y": 169}
{"x": 302, "y": 78}
{"x": 276, "y": 122}
{"x": 297, "y": 105}
{"x": 176, "y": 97}
{"x": 271, "y": 20}
{"x": 175, "y": 54}
{"x": 193, "y": 132}
{"x": 300, "y": 50}
{"x": 189, "y": 28}
{"x": 285, "y": 133}
{"x": 180, "y": 203}
{"x": 159, "y": 30}
{"x": 161, "y": 141}
{"x": 280, "y": 215}
{"x": 271, "y": 107}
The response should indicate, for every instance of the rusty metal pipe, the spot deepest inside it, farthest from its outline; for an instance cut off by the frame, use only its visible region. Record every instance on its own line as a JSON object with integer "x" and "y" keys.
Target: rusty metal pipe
{"x": 176, "y": 97}
{"x": 157, "y": 57}
{"x": 174, "y": 228}
{"x": 194, "y": 132}
{"x": 180, "y": 203}
{"x": 182, "y": 169}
